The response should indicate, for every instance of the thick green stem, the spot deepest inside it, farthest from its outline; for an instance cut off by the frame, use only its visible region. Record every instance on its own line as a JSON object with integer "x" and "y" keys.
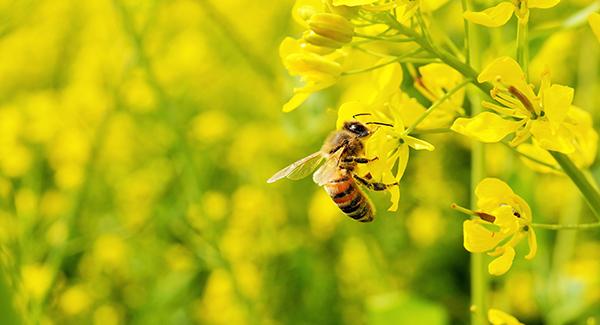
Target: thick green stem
{"x": 479, "y": 275}
{"x": 522, "y": 44}
{"x": 465, "y": 69}
{"x": 589, "y": 192}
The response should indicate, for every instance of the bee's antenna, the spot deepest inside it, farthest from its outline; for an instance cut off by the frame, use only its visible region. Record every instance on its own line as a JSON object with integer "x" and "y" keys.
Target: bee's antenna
{"x": 381, "y": 123}
{"x": 360, "y": 114}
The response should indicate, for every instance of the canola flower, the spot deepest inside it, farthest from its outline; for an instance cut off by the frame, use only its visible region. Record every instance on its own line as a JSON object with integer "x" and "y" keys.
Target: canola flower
{"x": 502, "y": 220}
{"x": 520, "y": 111}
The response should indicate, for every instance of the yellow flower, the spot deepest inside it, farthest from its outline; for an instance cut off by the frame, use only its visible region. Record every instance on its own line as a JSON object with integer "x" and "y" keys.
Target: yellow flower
{"x": 318, "y": 72}
{"x": 585, "y": 142}
{"x": 504, "y": 219}
{"x": 500, "y": 14}
{"x": 498, "y": 317}
{"x": 433, "y": 81}
{"x": 542, "y": 116}
{"x": 594, "y": 20}
{"x": 390, "y": 144}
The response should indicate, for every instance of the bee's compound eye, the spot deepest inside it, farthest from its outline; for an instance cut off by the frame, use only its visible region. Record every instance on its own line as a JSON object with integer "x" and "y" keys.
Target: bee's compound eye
{"x": 357, "y": 128}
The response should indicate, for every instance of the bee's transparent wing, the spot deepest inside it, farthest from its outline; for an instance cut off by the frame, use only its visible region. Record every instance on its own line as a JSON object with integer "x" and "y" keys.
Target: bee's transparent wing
{"x": 329, "y": 170}
{"x": 299, "y": 169}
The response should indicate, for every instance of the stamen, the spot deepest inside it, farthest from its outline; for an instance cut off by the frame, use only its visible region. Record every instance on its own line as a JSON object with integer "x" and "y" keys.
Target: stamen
{"x": 515, "y": 92}
{"x": 482, "y": 215}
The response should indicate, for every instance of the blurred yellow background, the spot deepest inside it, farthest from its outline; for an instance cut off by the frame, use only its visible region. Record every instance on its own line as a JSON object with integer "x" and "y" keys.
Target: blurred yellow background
{"x": 135, "y": 141}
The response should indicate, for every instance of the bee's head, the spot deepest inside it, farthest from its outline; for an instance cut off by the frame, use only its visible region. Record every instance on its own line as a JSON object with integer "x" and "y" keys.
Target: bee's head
{"x": 357, "y": 128}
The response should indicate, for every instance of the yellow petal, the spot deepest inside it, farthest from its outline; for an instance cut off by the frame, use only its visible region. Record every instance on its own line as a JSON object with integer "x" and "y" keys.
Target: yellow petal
{"x": 418, "y": 144}
{"x": 403, "y": 154}
{"x": 388, "y": 78}
{"x": 298, "y": 99}
{"x": 508, "y": 72}
{"x": 531, "y": 239}
{"x": 348, "y": 110}
{"x": 544, "y": 4}
{"x": 506, "y": 220}
{"x": 549, "y": 138}
{"x": 289, "y": 46}
{"x": 304, "y": 9}
{"x": 534, "y": 151}
{"x": 485, "y": 127}
{"x": 498, "y": 317}
{"x": 557, "y": 101}
{"x": 594, "y": 21}
{"x": 502, "y": 264}
{"x": 478, "y": 239}
{"x": 492, "y": 190}
{"x": 491, "y": 17}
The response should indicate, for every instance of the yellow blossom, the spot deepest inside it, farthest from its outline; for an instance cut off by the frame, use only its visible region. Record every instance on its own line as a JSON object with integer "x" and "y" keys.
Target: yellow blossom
{"x": 318, "y": 72}
{"x": 542, "y": 116}
{"x": 500, "y": 14}
{"x": 503, "y": 220}
{"x": 498, "y": 317}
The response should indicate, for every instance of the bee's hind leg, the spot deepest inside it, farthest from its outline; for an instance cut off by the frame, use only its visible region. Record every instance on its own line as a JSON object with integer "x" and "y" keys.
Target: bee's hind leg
{"x": 374, "y": 186}
{"x": 358, "y": 160}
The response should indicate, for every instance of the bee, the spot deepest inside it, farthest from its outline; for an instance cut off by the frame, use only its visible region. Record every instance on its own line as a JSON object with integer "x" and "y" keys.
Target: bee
{"x": 341, "y": 151}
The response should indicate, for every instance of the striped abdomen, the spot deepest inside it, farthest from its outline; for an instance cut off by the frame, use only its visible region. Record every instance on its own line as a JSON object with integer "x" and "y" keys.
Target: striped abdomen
{"x": 350, "y": 199}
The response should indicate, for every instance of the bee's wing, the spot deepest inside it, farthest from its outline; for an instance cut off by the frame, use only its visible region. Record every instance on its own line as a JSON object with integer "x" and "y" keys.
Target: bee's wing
{"x": 329, "y": 170}
{"x": 299, "y": 169}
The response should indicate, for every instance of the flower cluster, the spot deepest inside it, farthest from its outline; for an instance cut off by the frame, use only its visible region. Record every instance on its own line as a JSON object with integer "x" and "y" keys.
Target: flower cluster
{"x": 548, "y": 117}
{"x": 501, "y": 221}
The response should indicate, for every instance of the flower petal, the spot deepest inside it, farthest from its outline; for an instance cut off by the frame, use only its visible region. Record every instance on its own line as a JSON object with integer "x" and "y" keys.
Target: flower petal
{"x": 557, "y": 101}
{"x": 492, "y": 17}
{"x": 531, "y": 239}
{"x": 508, "y": 72}
{"x": 485, "y": 127}
{"x": 491, "y": 192}
{"x": 298, "y": 99}
{"x": 388, "y": 78}
{"x": 478, "y": 239}
{"x": 418, "y": 144}
{"x": 544, "y": 4}
{"x": 594, "y": 20}
{"x": 348, "y": 110}
{"x": 534, "y": 151}
{"x": 502, "y": 264}
{"x": 549, "y": 138}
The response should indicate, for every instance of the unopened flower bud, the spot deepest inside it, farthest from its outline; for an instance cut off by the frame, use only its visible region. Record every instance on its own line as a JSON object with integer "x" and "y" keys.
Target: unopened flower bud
{"x": 332, "y": 26}
{"x": 317, "y": 40}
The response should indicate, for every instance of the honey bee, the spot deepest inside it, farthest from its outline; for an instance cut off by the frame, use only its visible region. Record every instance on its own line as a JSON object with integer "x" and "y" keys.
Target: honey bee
{"x": 342, "y": 151}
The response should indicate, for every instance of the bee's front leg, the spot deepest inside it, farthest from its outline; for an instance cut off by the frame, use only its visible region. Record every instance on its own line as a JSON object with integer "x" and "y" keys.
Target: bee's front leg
{"x": 358, "y": 160}
{"x": 374, "y": 186}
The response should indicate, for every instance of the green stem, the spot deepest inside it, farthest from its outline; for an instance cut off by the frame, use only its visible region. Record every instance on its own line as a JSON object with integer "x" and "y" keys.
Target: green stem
{"x": 522, "y": 44}
{"x": 567, "y": 227}
{"x": 589, "y": 192}
{"x": 479, "y": 275}
{"x": 465, "y": 69}
{"x": 435, "y": 105}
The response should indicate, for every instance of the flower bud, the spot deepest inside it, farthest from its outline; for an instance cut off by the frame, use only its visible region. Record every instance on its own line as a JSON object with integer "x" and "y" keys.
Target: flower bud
{"x": 317, "y": 40}
{"x": 320, "y": 50}
{"x": 311, "y": 64}
{"x": 332, "y": 26}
